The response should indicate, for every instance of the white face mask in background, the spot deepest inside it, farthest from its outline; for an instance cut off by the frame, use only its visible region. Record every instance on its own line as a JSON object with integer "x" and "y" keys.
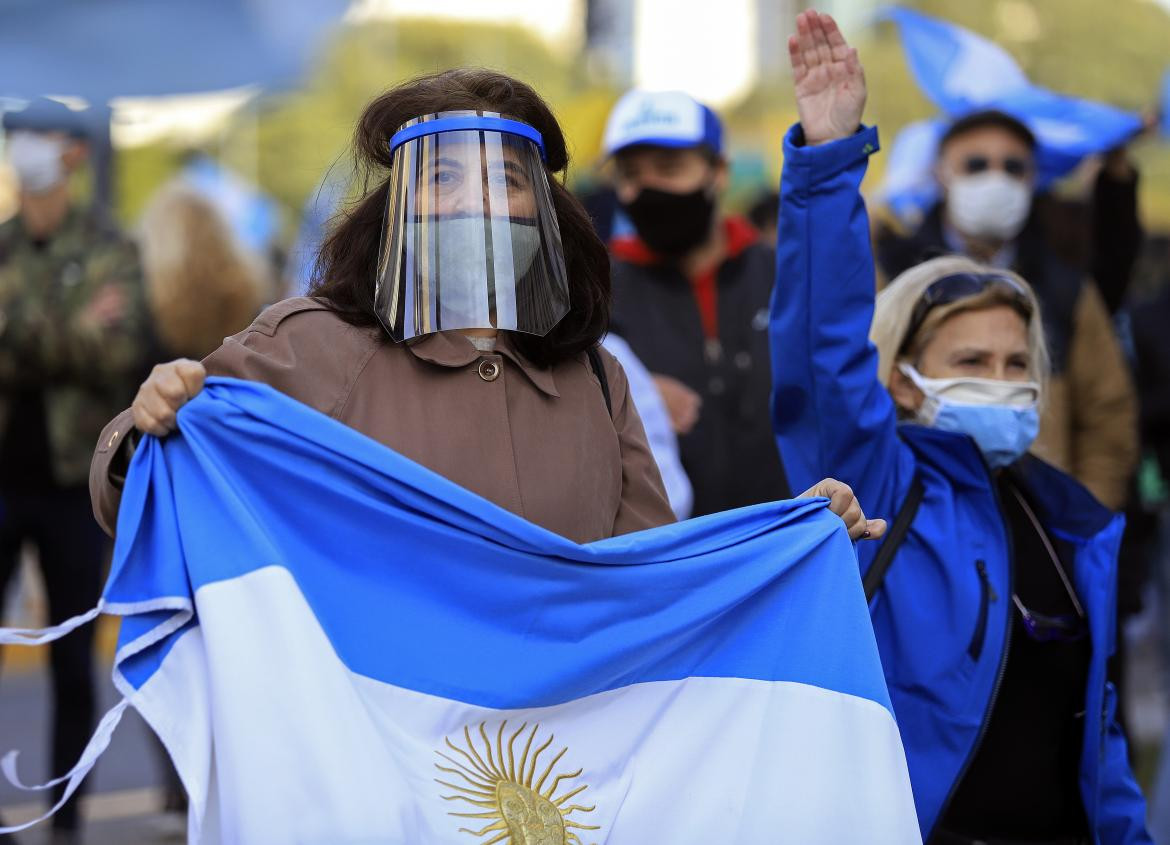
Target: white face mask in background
{"x": 990, "y": 204}
{"x": 36, "y": 158}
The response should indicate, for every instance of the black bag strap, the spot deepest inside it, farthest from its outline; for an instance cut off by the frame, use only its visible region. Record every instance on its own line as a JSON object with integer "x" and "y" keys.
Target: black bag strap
{"x": 885, "y": 555}
{"x": 599, "y": 370}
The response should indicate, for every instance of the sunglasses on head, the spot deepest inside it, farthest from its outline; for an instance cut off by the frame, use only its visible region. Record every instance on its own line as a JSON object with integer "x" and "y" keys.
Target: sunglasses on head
{"x": 959, "y": 286}
{"x": 1011, "y": 165}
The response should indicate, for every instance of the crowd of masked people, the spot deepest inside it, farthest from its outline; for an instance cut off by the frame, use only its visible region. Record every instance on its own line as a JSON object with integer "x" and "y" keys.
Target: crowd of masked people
{"x": 985, "y": 380}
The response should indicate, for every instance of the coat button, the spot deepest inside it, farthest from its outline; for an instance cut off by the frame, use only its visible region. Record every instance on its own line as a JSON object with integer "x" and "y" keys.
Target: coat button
{"x": 489, "y": 370}
{"x": 712, "y": 350}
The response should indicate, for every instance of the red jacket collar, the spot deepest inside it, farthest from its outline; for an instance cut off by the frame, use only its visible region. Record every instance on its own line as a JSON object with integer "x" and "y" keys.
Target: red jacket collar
{"x": 739, "y": 234}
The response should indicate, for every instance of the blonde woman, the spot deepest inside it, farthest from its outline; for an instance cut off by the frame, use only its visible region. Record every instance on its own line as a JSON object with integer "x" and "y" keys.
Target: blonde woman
{"x": 203, "y": 285}
{"x": 993, "y": 595}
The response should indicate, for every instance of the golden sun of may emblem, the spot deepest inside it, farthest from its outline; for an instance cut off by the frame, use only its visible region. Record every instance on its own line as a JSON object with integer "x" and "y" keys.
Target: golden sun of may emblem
{"x": 519, "y": 808}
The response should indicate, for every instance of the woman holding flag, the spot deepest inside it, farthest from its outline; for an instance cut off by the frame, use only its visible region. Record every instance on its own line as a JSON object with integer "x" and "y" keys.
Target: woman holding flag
{"x": 992, "y": 599}
{"x": 456, "y": 319}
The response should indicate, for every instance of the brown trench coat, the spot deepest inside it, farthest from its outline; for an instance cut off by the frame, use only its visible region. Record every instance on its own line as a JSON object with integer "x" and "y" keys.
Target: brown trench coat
{"x": 536, "y": 441}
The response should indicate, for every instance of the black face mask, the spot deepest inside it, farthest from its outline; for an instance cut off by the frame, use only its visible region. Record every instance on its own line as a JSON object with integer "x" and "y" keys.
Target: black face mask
{"x": 672, "y": 224}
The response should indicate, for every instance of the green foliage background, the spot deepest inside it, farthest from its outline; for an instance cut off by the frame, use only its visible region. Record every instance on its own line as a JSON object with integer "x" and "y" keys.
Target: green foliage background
{"x": 1114, "y": 52}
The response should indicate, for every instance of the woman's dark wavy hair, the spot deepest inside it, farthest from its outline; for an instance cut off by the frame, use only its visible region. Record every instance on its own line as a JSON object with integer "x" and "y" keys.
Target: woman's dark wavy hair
{"x": 347, "y": 262}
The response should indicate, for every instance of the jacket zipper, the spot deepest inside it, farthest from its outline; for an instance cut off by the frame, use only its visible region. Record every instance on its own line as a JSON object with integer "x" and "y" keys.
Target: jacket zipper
{"x": 1007, "y": 643}
{"x": 986, "y": 596}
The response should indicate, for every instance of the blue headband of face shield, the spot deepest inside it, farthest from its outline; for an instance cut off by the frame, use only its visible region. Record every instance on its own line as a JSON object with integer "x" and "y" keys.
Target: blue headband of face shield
{"x": 462, "y": 124}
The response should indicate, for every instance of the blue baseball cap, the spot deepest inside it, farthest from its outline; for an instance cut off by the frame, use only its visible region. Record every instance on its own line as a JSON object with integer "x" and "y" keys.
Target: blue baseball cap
{"x": 661, "y": 119}
{"x": 45, "y": 115}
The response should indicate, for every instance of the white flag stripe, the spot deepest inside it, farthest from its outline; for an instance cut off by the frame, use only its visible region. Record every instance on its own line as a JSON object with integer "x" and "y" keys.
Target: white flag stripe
{"x": 699, "y": 759}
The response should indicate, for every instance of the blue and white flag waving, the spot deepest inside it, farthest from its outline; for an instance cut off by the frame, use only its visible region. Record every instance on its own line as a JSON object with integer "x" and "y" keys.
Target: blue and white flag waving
{"x": 337, "y": 645}
{"x": 961, "y": 72}
{"x": 956, "y": 69}
{"x": 909, "y": 187}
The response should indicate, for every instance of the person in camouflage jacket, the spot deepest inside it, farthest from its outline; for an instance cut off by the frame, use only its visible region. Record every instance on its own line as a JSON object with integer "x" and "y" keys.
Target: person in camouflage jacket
{"x": 73, "y": 347}
{"x": 72, "y": 319}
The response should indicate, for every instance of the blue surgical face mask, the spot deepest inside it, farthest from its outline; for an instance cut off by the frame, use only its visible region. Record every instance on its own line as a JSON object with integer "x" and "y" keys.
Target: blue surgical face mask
{"x": 1002, "y": 417}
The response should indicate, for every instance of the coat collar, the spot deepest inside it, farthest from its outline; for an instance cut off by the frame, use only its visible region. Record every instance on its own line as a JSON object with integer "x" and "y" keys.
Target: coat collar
{"x": 451, "y": 349}
{"x": 1061, "y": 502}
{"x": 956, "y": 452}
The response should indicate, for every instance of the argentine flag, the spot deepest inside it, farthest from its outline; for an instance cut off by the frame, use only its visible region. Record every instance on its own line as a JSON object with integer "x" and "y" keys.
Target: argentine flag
{"x": 962, "y": 72}
{"x": 338, "y": 646}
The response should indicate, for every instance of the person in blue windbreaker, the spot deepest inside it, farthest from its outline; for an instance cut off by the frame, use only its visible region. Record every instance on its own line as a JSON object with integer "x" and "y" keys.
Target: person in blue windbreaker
{"x": 995, "y": 614}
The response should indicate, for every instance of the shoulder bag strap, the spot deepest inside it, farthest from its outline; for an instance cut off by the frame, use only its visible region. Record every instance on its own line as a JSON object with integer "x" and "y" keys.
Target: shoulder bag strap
{"x": 599, "y": 370}
{"x": 885, "y": 555}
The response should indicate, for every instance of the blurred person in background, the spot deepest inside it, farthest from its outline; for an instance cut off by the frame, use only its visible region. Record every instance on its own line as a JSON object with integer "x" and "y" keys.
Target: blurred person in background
{"x": 986, "y": 166}
{"x": 1150, "y": 316}
{"x": 202, "y": 283}
{"x": 691, "y": 291}
{"x": 1149, "y": 320}
{"x": 1092, "y": 223}
{"x": 992, "y": 603}
{"x": 72, "y": 327}
{"x": 1096, "y": 228}
{"x": 1115, "y": 235}
{"x": 764, "y": 214}
{"x": 656, "y": 420}
{"x": 601, "y": 203}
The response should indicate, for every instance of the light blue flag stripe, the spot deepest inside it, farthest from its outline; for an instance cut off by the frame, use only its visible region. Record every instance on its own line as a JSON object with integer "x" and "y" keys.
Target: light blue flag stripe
{"x": 961, "y": 72}
{"x": 424, "y": 585}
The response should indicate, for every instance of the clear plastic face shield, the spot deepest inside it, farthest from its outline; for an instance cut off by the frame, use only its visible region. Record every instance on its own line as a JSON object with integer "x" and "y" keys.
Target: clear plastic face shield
{"x": 470, "y": 239}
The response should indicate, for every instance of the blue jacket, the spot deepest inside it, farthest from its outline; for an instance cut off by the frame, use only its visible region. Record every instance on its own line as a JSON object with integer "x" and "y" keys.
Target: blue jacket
{"x": 943, "y": 615}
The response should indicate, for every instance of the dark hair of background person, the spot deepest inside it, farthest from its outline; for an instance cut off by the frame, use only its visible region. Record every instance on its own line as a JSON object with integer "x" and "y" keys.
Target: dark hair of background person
{"x": 989, "y": 118}
{"x": 764, "y": 212}
{"x": 347, "y": 262}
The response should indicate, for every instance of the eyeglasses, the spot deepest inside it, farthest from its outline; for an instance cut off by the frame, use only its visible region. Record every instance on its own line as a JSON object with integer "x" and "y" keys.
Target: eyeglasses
{"x": 959, "y": 286}
{"x": 1066, "y": 628}
{"x": 1013, "y": 166}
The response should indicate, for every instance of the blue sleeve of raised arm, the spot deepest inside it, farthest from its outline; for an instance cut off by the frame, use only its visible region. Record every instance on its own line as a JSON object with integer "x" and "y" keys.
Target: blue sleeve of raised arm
{"x": 831, "y": 415}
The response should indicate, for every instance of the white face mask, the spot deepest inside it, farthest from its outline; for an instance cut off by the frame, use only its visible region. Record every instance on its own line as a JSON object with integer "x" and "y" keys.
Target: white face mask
{"x": 463, "y": 298}
{"x": 969, "y": 391}
{"x": 36, "y": 158}
{"x": 1000, "y": 416}
{"x": 526, "y": 244}
{"x": 990, "y": 204}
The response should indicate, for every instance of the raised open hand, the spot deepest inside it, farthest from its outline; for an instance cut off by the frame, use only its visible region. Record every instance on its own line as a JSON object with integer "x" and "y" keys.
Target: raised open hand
{"x": 830, "y": 84}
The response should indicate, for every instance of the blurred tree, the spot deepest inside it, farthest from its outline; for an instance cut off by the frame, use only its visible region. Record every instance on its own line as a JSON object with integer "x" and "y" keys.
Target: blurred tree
{"x": 1111, "y": 52}
{"x": 304, "y": 133}
{"x": 139, "y": 171}
{"x": 288, "y": 142}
